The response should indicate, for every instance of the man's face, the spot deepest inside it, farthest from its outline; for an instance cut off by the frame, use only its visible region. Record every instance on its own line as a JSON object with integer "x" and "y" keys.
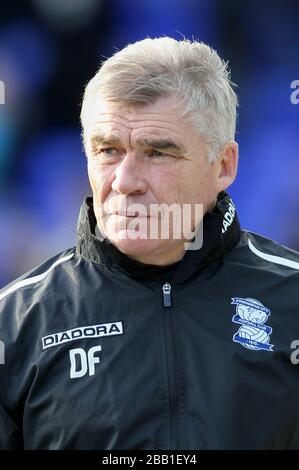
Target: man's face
{"x": 146, "y": 155}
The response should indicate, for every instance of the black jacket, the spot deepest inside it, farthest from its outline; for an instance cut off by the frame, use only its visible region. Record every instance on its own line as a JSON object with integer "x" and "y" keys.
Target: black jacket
{"x": 102, "y": 353}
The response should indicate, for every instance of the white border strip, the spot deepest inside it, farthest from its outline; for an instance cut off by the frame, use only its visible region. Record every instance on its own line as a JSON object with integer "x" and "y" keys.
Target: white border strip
{"x": 272, "y": 258}
{"x": 34, "y": 279}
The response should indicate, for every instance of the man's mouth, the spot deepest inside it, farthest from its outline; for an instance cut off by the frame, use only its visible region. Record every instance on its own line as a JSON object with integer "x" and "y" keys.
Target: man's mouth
{"x": 128, "y": 214}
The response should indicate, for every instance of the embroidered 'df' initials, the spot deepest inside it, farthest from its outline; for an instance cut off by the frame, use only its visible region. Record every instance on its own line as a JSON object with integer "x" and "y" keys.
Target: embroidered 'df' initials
{"x": 83, "y": 362}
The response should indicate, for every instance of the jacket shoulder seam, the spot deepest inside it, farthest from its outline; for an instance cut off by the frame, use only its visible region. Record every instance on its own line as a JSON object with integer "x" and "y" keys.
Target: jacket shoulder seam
{"x": 273, "y": 258}
{"x": 34, "y": 279}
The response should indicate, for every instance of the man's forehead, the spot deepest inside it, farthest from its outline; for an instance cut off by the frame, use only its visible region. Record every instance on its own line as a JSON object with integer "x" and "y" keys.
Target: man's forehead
{"x": 116, "y": 126}
{"x": 165, "y": 110}
{"x": 117, "y": 123}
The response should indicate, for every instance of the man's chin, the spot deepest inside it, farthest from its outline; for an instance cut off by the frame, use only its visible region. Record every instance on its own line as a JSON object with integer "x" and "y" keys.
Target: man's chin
{"x": 134, "y": 245}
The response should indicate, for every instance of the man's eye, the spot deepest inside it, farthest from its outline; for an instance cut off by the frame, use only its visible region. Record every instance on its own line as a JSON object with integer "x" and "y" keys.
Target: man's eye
{"x": 157, "y": 153}
{"x": 108, "y": 151}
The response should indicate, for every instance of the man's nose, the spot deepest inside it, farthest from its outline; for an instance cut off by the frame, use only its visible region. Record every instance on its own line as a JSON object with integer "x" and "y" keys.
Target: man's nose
{"x": 128, "y": 177}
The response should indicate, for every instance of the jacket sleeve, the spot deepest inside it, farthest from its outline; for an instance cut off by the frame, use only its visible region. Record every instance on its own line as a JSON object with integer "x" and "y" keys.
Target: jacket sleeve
{"x": 9, "y": 432}
{"x": 10, "y": 409}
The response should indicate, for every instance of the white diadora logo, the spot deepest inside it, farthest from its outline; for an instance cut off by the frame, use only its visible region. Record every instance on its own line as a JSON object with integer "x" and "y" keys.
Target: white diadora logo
{"x": 82, "y": 362}
{"x": 252, "y": 314}
{"x": 92, "y": 331}
{"x": 228, "y": 216}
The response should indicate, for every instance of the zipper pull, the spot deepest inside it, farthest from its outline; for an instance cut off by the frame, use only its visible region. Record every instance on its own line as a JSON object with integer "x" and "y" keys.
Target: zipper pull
{"x": 166, "y": 294}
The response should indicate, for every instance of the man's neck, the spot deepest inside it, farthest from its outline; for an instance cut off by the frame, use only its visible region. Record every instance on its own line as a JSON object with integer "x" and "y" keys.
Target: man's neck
{"x": 159, "y": 259}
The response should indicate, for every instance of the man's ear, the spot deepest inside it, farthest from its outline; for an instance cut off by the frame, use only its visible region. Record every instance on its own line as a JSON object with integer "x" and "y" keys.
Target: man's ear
{"x": 227, "y": 165}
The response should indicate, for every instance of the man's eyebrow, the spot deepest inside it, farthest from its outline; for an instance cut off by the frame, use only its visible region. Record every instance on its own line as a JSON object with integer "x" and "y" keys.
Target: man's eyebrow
{"x": 161, "y": 144}
{"x": 156, "y": 143}
{"x": 101, "y": 139}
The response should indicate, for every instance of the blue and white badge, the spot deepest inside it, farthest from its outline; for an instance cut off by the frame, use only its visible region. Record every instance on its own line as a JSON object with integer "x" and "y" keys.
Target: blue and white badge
{"x": 252, "y": 315}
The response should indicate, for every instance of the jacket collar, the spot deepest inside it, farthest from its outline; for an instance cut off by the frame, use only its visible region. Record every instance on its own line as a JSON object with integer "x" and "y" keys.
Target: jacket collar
{"x": 221, "y": 232}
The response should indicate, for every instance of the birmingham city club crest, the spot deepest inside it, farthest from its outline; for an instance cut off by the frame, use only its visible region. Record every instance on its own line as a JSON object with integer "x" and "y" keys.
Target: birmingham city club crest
{"x": 252, "y": 316}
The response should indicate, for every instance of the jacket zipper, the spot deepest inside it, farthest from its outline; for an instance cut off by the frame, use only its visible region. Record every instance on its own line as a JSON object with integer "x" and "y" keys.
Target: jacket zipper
{"x": 166, "y": 288}
{"x": 171, "y": 365}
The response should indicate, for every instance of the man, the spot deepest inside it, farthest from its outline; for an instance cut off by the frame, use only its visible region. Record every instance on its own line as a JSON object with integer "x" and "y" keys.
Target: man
{"x": 148, "y": 335}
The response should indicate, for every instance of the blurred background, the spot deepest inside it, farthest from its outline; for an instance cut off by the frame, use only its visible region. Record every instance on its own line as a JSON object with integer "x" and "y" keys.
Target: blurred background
{"x": 49, "y": 49}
